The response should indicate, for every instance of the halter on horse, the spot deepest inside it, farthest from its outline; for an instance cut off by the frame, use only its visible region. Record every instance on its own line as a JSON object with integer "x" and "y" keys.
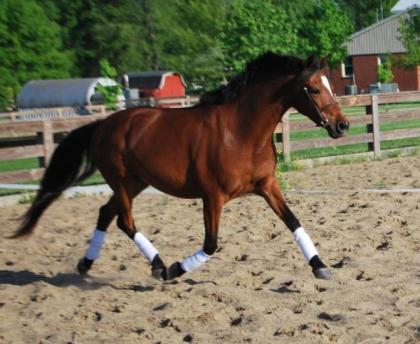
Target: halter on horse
{"x": 218, "y": 150}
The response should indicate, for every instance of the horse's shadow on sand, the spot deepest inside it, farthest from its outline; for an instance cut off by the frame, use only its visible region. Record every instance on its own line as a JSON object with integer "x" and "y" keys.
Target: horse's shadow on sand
{"x": 88, "y": 282}
{"x": 25, "y": 277}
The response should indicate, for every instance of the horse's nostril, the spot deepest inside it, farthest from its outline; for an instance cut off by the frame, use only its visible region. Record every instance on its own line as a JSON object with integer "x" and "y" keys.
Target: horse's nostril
{"x": 342, "y": 127}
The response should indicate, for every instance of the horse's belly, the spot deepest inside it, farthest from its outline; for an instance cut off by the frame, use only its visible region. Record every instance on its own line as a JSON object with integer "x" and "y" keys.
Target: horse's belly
{"x": 166, "y": 176}
{"x": 174, "y": 188}
{"x": 181, "y": 192}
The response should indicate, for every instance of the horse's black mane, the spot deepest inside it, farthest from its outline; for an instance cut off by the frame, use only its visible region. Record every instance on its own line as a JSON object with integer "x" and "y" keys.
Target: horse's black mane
{"x": 262, "y": 67}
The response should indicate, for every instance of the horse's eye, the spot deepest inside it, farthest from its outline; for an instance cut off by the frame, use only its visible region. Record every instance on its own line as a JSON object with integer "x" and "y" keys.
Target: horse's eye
{"x": 313, "y": 90}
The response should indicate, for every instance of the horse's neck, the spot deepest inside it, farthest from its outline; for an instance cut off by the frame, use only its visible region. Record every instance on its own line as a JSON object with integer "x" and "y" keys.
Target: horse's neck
{"x": 256, "y": 119}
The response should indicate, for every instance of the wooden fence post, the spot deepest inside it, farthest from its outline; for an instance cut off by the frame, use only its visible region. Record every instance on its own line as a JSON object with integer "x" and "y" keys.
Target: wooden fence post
{"x": 376, "y": 127}
{"x": 46, "y": 137}
{"x": 285, "y": 137}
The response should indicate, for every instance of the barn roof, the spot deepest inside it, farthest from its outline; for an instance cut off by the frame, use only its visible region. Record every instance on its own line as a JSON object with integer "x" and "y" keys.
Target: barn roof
{"x": 380, "y": 38}
{"x": 59, "y": 92}
{"x": 150, "y": 80}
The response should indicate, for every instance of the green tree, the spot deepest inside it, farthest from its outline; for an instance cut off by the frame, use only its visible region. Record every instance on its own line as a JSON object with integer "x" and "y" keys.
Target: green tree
{"x": 252, "y": 28}
{"x": 30, "y": 47}
{"x": 94, "y": 29}
{"x": 109, "y": 93}
{"x": 188, "y": 39}
{"x": 139, "y": 34}
{"x": 365, "y": 13}
{"x": 384, "y": 71}
{"x": 149, "y": 29}
{"x": 322, "y": 28}
{"x": 410, "y": 34}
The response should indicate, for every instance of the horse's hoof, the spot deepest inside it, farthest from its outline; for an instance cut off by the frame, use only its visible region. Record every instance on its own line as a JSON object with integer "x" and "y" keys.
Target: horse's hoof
{"x": 322, "y": 273}
{"x": 174, "y": 271}
{"x": 158, "y": 269}
{"x": 159, "y": 274}
{"x": 84, "y": 266}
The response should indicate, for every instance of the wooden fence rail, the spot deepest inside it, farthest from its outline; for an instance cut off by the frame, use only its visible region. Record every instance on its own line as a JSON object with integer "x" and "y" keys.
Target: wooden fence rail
{"x": 37, "y": 139}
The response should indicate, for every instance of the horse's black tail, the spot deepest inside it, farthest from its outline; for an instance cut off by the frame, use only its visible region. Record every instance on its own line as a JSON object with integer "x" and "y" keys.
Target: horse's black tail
{"x": 69, "y": 164}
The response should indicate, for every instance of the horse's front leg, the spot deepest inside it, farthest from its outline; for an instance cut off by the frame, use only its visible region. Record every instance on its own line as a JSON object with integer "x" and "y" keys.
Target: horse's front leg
{"x": 272, "y": 194}
{"x": 212, "y": 208}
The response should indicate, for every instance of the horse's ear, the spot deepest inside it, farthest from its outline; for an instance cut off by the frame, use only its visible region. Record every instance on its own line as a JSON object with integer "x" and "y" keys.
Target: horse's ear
{"x": 312, "y": 62}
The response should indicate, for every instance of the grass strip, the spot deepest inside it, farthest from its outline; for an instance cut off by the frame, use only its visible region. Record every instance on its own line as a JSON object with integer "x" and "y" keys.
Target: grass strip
{"x": 19, "y": 164}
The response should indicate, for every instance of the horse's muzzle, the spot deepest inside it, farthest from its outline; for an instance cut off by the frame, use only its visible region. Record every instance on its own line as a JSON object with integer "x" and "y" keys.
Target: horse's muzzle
{"x": 342, "y": 127}
{"x": 338, "y": 130}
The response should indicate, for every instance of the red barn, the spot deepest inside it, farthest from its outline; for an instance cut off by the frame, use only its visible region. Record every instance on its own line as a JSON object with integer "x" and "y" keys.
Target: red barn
{"x": 158, "y": 84}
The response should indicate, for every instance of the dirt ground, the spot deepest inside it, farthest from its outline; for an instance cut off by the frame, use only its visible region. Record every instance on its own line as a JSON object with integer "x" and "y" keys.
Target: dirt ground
{"x": 257, "y": 288}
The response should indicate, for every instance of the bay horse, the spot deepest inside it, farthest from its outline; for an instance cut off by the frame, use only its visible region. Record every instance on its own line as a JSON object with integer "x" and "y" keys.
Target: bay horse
{"x": 218, "y": 150}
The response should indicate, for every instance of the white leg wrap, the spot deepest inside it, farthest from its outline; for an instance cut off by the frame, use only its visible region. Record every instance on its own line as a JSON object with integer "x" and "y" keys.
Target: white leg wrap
{"x": 195, "y": 261}
{"x": 145, "y": 246}
{"x": 305, "y": 243}
{"x": 96, "y": 244}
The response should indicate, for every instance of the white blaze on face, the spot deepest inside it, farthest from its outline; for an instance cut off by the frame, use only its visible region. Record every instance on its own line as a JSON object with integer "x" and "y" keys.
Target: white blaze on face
{"x": 326, "y": 83}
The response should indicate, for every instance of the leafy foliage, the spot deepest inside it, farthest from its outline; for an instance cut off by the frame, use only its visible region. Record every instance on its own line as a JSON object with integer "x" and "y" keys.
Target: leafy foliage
{"x": 204, "y": 40}
{"x": 95, "y": 29}
{"x": 322, "y": 28}
{"x": 192, "y": 45}
{"x": 384, "y": 71}
{"x": 252, "y": 28}
{"x": 109, "y": 93}
{"x": 30, "y": 47}
{"x": 410, "y": 34}
{"x": 365, "y": 13}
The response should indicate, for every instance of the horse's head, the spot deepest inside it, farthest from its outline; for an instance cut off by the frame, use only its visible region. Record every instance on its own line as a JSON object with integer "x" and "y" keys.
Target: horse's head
{"x": 315, "y": 100}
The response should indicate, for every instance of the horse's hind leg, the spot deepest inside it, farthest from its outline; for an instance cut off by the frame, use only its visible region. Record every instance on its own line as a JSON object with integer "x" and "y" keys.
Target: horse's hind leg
{"x": 125, "y": 222}
{"x": 272, "y": 194}
{"x": 107, "y": 213}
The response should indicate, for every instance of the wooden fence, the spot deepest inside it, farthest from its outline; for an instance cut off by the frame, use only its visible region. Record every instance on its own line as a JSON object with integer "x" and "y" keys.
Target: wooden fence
{"x": 372, "y": 120}
{"x": 29, "y": 139}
